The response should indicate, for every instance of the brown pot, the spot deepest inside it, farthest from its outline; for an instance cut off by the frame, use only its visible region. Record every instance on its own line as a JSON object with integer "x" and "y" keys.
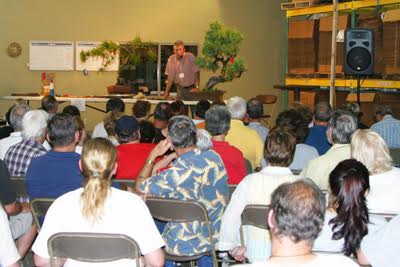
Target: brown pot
{"x": 184, "y": 94}
{"x": 119, "y": 89}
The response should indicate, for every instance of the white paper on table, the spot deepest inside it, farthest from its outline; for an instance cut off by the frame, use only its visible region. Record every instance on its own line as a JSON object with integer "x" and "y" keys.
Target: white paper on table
{"x": 340, "y": 36}
{"x": 79, "y": 103}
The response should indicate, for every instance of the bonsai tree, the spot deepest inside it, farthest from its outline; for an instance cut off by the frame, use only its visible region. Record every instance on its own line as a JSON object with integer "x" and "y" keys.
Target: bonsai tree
{"x": 219, "y": 53}
{"x": 131, "y": 54}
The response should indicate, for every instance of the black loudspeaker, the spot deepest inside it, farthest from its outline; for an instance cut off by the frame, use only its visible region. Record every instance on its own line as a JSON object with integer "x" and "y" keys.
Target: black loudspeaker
{"x": 358, "y": 52}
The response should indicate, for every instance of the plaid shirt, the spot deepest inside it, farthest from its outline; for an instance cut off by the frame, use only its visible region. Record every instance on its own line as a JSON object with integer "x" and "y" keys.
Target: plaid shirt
{"x": 389, "y": 129}
{"x": 19, "y": 156}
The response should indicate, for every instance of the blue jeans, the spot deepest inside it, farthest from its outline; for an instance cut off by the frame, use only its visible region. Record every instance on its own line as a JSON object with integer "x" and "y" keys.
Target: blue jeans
{"x": 205, "y": 261}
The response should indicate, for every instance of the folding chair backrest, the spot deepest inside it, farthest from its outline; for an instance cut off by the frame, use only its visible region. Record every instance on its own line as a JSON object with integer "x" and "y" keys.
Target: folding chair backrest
{"x": 39, "y": 207}
{"x": 249, "y": 168}
{"x": 395, "y": 153}
{"x": 93, "y": 247}
{"x": 387, "y": 216}
{"x": 125, "y": 184}
{"x": 255, "y": 215}
{"x": 296, "y": 172}
{"x": 18, "y": 184}
{"x": 176, "y": 210}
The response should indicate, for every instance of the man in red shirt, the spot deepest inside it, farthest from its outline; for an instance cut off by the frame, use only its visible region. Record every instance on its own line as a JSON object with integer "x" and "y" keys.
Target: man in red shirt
{"x": 131, "y": 153}
{"x": 218, "y": 123}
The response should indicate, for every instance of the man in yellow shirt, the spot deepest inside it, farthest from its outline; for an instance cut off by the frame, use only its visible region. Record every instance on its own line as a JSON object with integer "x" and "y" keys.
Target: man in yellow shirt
{"x": 340, "y": 129}
{"x": 244, "y": 138}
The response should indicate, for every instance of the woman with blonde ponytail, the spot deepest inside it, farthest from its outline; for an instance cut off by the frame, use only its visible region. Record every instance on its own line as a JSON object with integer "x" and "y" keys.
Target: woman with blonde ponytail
{"x": 100, "y": 208}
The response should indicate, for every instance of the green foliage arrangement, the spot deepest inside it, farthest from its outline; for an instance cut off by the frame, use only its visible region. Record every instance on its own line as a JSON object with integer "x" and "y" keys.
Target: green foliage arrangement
{"x": 131, "y": 54}
{"x": 220, "y": 49}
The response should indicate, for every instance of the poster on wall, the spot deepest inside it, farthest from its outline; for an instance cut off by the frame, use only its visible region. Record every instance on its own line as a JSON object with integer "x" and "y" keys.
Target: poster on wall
{"x": 51, "y": 55}
{"x": 92, "y": 64}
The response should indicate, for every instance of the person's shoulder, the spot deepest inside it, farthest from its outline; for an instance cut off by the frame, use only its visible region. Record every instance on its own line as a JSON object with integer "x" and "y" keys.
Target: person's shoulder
{"x": 125, "y": 198}
{"x": 42, "y": 159}
{"x": 68, "y": 198}
{"x": 256, "y": 264}
{"x": 335, "y": 260}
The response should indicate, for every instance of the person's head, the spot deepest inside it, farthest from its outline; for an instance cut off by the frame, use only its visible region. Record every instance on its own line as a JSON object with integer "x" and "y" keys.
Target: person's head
{"x": 98, "y": 164}
{"x": 295, "y": 122}
{"x": 218, "y": 120}
{"x": 351, "y": 107}
{"x": 369, "y": 148}
{"x": 50, "y": 104}
{"x": 381, "y": 111}
{"x": 141, "y": 110}
{"x": 115, "y": 104}
{"x": 182, "y": 132}
{"x": 163, "y": 112}
{"x": 255, "y": 109}
{"x": 341, "y": 126}
{"x": 34, "y": 125}
{"x": 322, "y": 112}
{"x": 72, "y": 110}
{"x": 147, "y": 132}
{"x": 204, "y": 141}
{"x": 297, "y": 213}
{"x": 237, "y": 107}
{"x": 348, "y": 186}
{"x": 62, "y": 132}
{"x": 179, "y": 48}
{"x": 201, "y": 108}
{"x": 218, "y": 102}
{"x": 303, "y": 110}
{"x": 16, "y": 115}
{"x": 179, "y": 108}
{"x": 279, "y": 148}
{"x": 80, "y": 126}
{"x": 127, "y": 129}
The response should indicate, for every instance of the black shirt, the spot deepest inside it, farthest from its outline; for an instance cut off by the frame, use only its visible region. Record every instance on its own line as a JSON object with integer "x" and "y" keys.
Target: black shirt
{"x": 7, "y": 194}
{"x": 5, "y": 131}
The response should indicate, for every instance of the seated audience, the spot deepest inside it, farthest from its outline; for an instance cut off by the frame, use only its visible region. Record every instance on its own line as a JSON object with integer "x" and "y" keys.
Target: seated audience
{"x": 354, "y": 108}
{"x": 204, "y": 141}
{"x": 193, "y": 175}
{"x": 147, "y": 132}
{"x": 245, "y": 139}
{"x": 381, "y": 249}
{"x": 9, "y": 256}
{"x": 18, "y": 213}
{"x": 6, "y": 130}
{"x": 16, "y": 115}
{"x": 162, "y": 114}
{"x": 295, "y": 220}
{"x": 257, "y": 188}
{"x": 141, "y": 110}
{"x": 347, "y": 220}
{"x": 132, "y": 154}
{"x": 50, "y": 105}
{"x": 218, "y": 122}
{"x": 317, "y": 134}
{"x": 304, "y": 111}
{"x": 293, "y": 121}
{"x": 80, "y": 126}
{"x": 255, "y": 111}
{"x": 115, "y": 108}
{"x": 72, "y": 110}
{"x": 56, "y": 172}
{"x": 340, "y": 128}
{"x": 200, "y": 113}
{"x": 20, "y": 155}
{"x": 179, "y": 108}
{"x": 369, "y": 148}
{"x": 387, "y": 126}
{"x": 94, "y": 209}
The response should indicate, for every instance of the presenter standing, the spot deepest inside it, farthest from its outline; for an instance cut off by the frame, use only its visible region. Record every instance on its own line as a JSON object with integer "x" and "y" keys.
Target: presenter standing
{"x": 182, "y": 71}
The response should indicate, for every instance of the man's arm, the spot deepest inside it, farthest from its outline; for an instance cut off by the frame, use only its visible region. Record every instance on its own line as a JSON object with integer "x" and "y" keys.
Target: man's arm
{"x": 13, "y": 208}
{"x": 155, "y": 258}
{"x": 157, "y": 151}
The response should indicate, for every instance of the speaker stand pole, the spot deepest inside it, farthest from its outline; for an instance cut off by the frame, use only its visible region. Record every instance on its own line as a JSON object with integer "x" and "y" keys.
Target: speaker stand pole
{"x": 358, "y": 91}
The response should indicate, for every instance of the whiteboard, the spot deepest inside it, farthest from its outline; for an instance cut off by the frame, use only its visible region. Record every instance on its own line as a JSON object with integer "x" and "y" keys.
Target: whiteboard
{"x": 51, "y": 55}
{"x": 92, "y": 64}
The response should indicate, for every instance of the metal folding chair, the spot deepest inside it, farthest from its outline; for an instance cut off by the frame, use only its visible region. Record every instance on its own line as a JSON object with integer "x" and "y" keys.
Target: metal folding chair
{"x": 181, "y": 211}
{"x": 231, "y": 189}
{"x": 39, "y": 207}
{"x": 125, "y": 184}
{"x": 249, "y": 168}
{"x": 268, "y": 100}
{"x": 93, "y": 247}
{"x": 255, "y": 215}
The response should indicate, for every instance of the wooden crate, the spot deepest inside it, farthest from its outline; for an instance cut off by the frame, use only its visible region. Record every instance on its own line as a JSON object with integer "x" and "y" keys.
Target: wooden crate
{"x": 294, "y": 4}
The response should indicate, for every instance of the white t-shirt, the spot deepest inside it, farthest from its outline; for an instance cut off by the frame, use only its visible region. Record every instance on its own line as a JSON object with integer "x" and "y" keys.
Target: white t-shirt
{"x": 123, "y": 213}
{"x": 8, "y": 252}
{"x": 320, "y": 261}
{"x": 6, "y": 143}
{"x": 99, "y": 131}
{"x": 384, "y": 196}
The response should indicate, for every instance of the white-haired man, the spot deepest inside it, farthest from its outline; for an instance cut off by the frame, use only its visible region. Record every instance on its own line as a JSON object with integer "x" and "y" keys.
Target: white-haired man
{"x": 16, "y": 115}
{"x": 245, "y": 139}
{"x": 19, "y": 156}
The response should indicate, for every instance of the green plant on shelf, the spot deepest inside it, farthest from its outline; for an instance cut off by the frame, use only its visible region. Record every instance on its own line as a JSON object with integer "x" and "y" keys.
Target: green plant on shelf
{"x": 220, "y": 49}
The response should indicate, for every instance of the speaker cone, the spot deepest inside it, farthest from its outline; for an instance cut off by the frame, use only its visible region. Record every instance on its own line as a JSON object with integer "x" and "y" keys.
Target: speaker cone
{"x": 358, "y": 58}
